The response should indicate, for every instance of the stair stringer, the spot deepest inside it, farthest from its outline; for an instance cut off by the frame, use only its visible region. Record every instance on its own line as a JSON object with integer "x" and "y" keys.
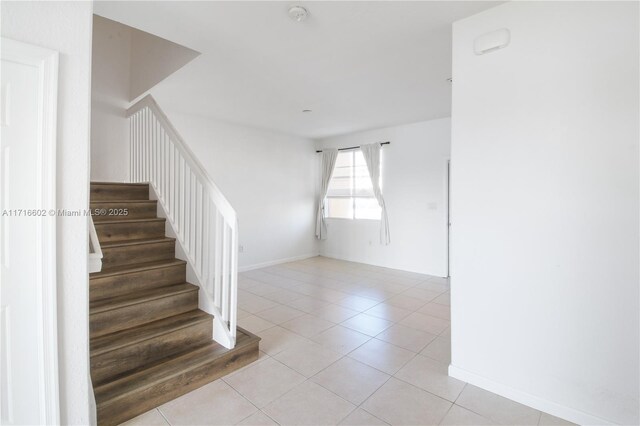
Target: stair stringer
{"x": 205, "y": 300}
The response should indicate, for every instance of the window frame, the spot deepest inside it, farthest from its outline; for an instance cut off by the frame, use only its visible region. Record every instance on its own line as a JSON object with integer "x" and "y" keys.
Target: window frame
{"x": 354, "y": 197}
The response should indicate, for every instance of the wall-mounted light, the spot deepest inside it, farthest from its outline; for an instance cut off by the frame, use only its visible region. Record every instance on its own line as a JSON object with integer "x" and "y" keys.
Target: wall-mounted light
{"x": 492, "y": 41}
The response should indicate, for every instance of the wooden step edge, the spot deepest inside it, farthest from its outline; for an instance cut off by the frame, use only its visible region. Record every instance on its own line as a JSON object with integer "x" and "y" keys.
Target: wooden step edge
{"x": 122, "y": 243}
{"x": 240, "y": 330}
{"x": 135, "y": 298}
{"x": 152, "y": 375}
{"x": 144, "y": 332}
{"x": 142, "y": 200}
{"x": 119, "y": 221}
{"x": 122, "y": 201}
{"x": 136, "y": 267}
{"x": 121, "y": 183}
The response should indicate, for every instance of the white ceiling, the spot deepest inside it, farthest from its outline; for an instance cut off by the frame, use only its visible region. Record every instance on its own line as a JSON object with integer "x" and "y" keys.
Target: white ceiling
{"x": 357, "y": 65}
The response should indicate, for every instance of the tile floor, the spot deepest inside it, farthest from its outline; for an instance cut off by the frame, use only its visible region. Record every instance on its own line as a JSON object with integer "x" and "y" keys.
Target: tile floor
{"x": 344, "y": 343}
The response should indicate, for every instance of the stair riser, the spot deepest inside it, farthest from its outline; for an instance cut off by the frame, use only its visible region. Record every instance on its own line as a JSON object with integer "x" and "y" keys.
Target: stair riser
{"x": 119, "y": 285}
{"x": 143, "y": 400}
{"x": 115, "y": 210}
{"x": 138, "y": 253}
{"x": 125, "y": 359}
{"x": 133, "y": 315}
{"x": 129, "y": 230}
{"x": 108, "y": 192}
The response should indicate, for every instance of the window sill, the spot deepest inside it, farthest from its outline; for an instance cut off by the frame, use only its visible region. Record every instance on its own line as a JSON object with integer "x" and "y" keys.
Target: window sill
{"x": 351, "y": 220}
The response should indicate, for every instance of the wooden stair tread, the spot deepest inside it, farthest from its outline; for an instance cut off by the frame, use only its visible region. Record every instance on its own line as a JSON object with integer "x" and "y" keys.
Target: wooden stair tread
{"x": 121, "y": 221}
{"x": 113, "y": 210}
{"x": 122, "y": 201}
{"x": 126, "y": 269}
{"x": 119, "y": 183}
{"x": 121, "y": 387}
{"x": 120, "y": 243}
{"x": 103, "y": 305}
{"x": 149, "y": 342}
{"x": 108, "y": 191}
{"x": 110, "y": 342}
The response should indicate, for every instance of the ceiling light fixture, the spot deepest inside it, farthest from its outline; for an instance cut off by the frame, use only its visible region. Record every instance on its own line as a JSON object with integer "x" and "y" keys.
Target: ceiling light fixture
{"x": 306, "y": 110}
{"x": 298, "y": 13}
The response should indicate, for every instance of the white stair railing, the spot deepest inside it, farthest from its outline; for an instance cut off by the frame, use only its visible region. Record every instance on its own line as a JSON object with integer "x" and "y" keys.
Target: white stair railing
{"x": 95, "y": 252}
{"x": 204, "y": 222}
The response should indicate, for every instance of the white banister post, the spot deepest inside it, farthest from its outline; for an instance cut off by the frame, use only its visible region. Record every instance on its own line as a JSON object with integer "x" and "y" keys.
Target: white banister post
{"x": 234, "y": 280}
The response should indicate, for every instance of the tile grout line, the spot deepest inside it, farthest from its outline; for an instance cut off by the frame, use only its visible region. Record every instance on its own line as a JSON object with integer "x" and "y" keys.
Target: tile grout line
{"x": 163, "y": 416}
{"x": 345, "y": 355}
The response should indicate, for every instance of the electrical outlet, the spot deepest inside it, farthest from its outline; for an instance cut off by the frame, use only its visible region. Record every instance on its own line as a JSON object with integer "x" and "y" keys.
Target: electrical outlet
{"x": 241, "y": 249}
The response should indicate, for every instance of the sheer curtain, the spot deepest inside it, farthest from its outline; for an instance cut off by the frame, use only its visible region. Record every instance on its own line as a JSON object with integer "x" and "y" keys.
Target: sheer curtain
{"x": 328, "y": 163}
{"x": 371, "y": 154}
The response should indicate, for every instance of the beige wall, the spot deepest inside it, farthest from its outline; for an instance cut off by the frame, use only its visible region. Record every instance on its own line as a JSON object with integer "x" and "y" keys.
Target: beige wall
{"x": 153, "y": 59}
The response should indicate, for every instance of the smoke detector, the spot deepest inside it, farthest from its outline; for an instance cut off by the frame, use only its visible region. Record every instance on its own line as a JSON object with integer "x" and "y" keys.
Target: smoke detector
{"x": 298, "y": 13}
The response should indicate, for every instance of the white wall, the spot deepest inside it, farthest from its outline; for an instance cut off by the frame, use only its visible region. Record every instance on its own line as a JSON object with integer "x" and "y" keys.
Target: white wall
{"x": 66, "y": 27}
{"x": 126, "y": 63}
{"x": 545, "y": 209}
{"x": 414, "y": 171}
{"x": 110, "y": 84}
{"x": 268, "y": 177}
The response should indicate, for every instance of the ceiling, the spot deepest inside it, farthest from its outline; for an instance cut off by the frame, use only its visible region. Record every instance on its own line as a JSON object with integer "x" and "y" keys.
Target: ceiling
{"x": 356, "y": 65}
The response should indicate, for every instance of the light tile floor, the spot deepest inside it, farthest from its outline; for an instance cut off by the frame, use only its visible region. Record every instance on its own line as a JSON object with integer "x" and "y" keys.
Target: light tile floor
{"x": 344, "y": 343}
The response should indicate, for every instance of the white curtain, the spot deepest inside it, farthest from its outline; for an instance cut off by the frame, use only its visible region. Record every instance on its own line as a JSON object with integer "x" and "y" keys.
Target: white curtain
{"x": 328, "y": 163}
{"x": 371, "y": 154}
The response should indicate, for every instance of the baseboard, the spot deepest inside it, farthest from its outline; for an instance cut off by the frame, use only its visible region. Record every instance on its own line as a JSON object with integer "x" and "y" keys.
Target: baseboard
{"x": 350, "y": 259}
{"x": 275, "y": 262}
{"x": 566, "y": 413}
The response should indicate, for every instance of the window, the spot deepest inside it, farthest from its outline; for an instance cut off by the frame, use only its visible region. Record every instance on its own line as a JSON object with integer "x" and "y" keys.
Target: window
{"x": 350, "y": 195}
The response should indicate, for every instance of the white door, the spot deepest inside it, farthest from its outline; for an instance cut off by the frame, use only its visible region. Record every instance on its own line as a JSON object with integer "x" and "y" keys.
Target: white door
{"x": 28, "y": 362}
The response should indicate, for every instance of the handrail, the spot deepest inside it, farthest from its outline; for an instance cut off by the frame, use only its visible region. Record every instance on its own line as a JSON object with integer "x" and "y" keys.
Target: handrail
{"x": 95, "y": 251}
{"x": 203, "y": 220}
{"x": 148, "y": 101}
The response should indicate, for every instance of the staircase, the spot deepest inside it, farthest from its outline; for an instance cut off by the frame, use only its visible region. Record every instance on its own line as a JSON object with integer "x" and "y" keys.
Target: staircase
{"x": 149, "y": 341}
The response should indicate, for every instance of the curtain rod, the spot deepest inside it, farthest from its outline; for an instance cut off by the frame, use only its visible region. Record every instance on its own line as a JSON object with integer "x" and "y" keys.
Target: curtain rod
{"x": 356, "y": 147}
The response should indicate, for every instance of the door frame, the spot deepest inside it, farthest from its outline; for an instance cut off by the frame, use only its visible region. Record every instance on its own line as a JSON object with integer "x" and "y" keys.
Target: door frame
{"x": 46, "y": 61}
{"x": 448, "y": 189}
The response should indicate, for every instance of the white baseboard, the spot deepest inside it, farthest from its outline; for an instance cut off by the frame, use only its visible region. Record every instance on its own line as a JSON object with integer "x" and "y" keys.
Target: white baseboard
{"x": 566, "y": 413}
{"x": 275, "y": 262}
{"x": 397, "y": 268}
